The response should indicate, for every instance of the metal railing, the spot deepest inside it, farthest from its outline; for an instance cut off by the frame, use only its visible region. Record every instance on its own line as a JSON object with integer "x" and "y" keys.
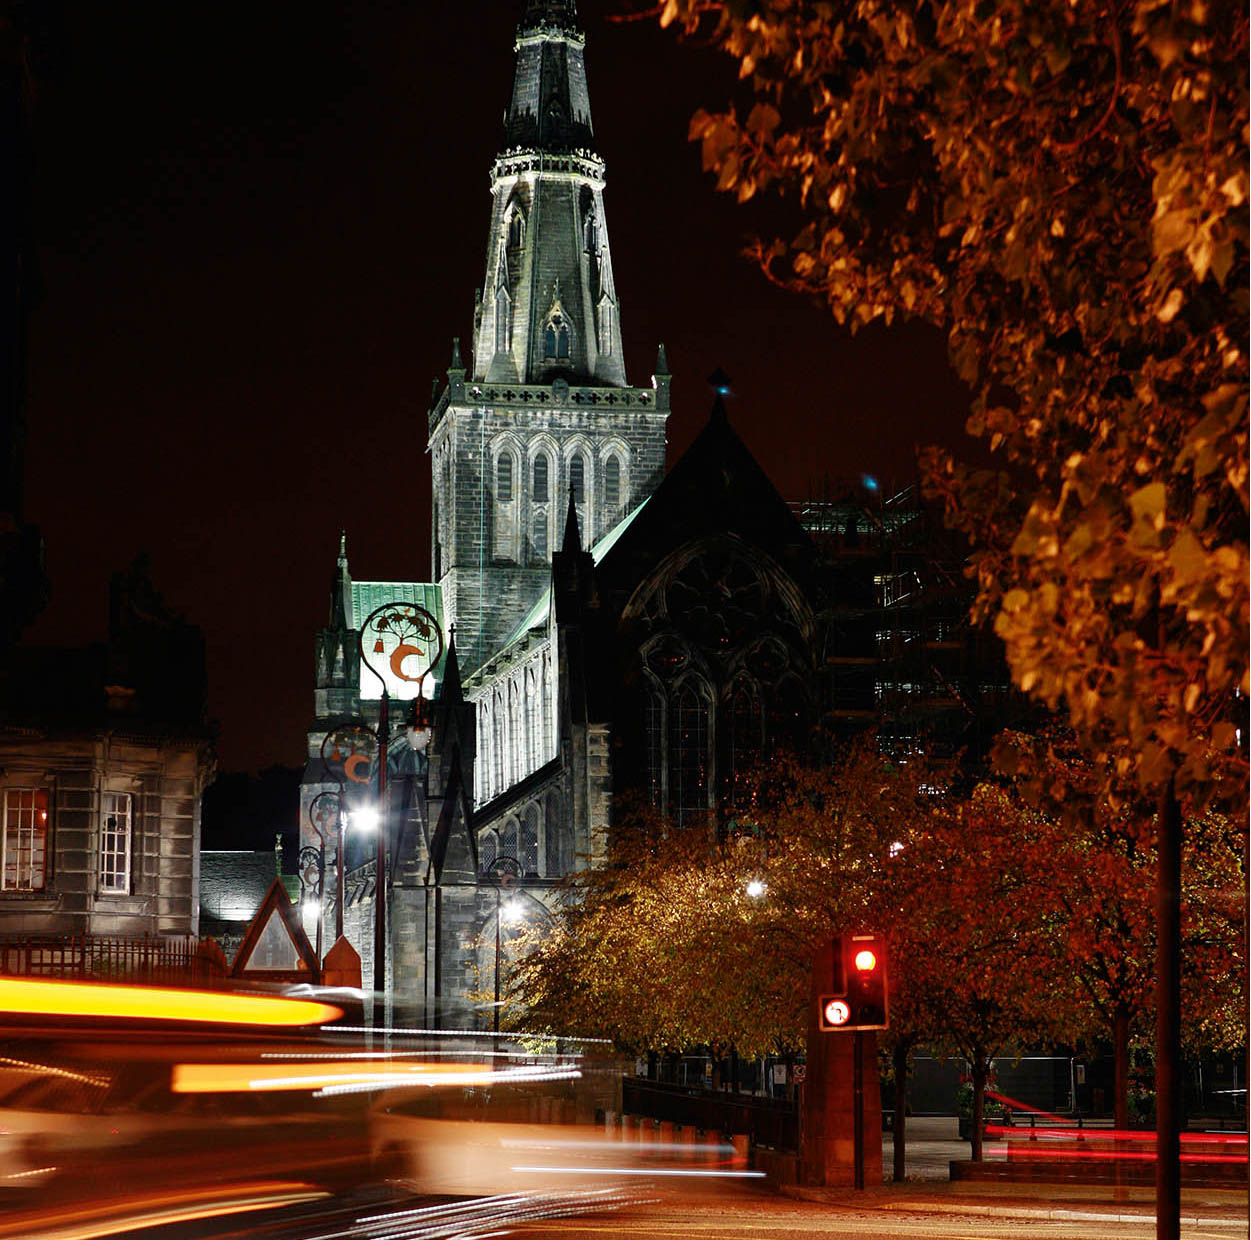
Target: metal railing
{"x": 181, "y": 960}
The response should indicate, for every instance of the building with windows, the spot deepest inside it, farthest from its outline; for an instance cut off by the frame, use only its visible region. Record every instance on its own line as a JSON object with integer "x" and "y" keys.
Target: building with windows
{"x": 104, "y": 754}
{"x": 611, "y": 626}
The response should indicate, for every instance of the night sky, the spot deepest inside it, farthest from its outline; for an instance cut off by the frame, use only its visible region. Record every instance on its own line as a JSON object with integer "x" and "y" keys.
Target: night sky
{"x": 261, "y": 224}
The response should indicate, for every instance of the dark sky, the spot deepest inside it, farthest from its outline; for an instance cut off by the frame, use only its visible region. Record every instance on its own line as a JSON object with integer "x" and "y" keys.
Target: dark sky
{"x": 260, "y": 226}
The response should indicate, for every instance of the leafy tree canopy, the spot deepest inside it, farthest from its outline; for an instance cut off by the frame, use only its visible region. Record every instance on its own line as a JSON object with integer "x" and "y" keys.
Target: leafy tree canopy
{"x": 1062, "y": 186}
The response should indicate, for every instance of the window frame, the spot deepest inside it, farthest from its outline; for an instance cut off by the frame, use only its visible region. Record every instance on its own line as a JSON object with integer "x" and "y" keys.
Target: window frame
{"x": 43, "y": 833}
{"x": 125, "y": 874}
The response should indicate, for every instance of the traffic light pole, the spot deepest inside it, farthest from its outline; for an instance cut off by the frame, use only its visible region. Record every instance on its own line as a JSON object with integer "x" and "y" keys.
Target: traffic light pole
{"x": 858, "y": 1111}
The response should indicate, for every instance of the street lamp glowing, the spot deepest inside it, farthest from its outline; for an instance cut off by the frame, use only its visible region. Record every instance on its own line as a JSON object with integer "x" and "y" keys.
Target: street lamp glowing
{"x": 365, "y": 819}
{"x": 511, "y": 912}
{"x": 756, "y": 888}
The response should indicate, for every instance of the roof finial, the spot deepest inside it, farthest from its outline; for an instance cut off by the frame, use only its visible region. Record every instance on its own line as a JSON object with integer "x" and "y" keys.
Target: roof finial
{"x": 662, "y": 361}
{"x": 721, "y": 385}
{"x": 457, "y": 364}
{"x": 343, "y": 548}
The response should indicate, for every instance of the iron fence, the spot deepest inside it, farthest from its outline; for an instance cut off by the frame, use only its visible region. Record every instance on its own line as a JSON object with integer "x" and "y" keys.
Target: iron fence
{"x": 181, "y": 960}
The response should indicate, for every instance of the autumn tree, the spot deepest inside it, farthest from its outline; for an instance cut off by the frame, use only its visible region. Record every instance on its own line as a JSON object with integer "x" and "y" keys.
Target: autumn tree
{"x": 1062, "y": 188}
{"x": 1094, "y": 867}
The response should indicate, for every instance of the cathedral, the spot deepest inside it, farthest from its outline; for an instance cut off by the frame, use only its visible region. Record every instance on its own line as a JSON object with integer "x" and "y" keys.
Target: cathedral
{"x": 608, "y": 627}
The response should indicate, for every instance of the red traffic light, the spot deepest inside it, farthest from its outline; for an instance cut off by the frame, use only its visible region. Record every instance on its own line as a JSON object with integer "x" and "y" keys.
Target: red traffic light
{"x": 865, "y": 961}
{"x": 836, "y": 1012}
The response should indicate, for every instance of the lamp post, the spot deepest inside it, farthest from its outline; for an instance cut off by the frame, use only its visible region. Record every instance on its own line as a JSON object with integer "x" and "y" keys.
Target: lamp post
{"x": 405, "y": 641}
{"x": 507, "y": 870}
{"x": 325, "y": 814}
{"x": 348, "y": 751}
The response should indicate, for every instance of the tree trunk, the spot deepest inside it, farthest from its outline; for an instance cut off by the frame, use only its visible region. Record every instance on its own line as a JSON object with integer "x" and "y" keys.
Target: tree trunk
{"x": 1120, "y": 1055}
{"x": 979, "y": 1101}
{"x": 1168, "y": 1019}
{"x": 902, "y": 1048}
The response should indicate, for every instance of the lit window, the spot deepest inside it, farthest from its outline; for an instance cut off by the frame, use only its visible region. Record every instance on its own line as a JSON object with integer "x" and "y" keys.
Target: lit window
{"x": 115, "y": 842}
{"x": 504, "y": 479}
{"x": 539, "y": 490}
{"x": 25, "y": 839}
{"x": 577, "y": 479}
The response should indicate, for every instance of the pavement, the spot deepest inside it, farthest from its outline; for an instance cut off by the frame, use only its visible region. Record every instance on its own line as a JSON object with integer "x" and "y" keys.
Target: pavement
{"x": 932, "y": 1146}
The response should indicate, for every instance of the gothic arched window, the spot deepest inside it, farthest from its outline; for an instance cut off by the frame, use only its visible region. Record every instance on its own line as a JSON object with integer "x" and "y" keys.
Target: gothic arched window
{"x": 516, "y": 228}
{"x": 577, "y": 478}
{"x": 508, "y": 839}
{"x": 556, "y": 853}
{"x": 504, "y": 478}
{"x": 538, "y": 492}
{"x": 612, "y": 482}
{"x": 556, "y": 337}
{"x": 590, "y": 232}
{"x": 688, "y": 754}
{"x": 488, "y": 850}
{"x": 746, "y": 725}
{"x": 539, "y": 535}
{"x": 528, "y": 841}
{"x": 654, "y": 725}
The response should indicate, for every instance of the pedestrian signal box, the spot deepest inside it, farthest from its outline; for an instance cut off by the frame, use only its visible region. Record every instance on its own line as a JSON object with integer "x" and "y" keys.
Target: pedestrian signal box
{"x": 857, "y": 996}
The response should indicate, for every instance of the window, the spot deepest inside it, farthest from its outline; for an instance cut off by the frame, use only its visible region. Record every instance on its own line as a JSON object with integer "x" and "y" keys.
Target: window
{"x": 612, "y": 482}
{"x": 504, "y": 478}
{"x": 539, "y": 490}
{"x": 540, "y": 536}
{"x": 590, "y": 233}
{"x": 655, "y": 727}
{"x": 746, "y": 724}
{"x": 577, "y": 478}
{"x": 508, "y": 840}
{"x": 528, "y": 842}
{"x": 556, "y": 337}
{"x": 488, "y": 850}
{"x": 688, "y": 755}
{"x": 115, "y": 842}
{"x": 25, "y": 839}
{"x": 516, "y": 228}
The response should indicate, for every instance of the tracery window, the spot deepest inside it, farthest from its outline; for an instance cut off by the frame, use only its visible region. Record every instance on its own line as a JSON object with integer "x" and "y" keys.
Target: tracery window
{"x": 577, "y": 478}
{"x": 655, "y": 730}
{"x": 538, "y": 491}
{"x": 745, "y": 729}
{"x": 556, "y": 337}
{"x": 688, "y": 755}
{"x": 504, "y": 478}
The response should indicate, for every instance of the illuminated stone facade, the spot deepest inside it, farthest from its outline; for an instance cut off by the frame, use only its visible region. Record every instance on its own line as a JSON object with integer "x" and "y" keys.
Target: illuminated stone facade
{"x": 574, "y": 579}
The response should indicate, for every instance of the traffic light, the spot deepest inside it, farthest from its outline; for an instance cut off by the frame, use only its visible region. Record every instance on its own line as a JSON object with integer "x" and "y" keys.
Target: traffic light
{"x": 857, "y": 995}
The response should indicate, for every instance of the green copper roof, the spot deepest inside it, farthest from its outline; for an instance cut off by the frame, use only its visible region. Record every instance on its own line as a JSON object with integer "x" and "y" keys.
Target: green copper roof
{"x": 368, "y": 595}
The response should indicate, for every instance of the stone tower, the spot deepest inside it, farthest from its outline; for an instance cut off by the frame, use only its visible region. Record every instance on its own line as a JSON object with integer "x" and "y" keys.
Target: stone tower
{"x": 543, "y": 411}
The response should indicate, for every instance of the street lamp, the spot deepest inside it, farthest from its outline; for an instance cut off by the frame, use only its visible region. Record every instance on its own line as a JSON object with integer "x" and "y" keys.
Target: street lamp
{"x": 405, "y": 641}
{"x": 506, "y": 870}
{"x": 348, "y": 751}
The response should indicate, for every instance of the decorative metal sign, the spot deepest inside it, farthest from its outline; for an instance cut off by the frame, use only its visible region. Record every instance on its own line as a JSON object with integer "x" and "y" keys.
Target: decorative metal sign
{"x": 402, "y": 637}
{"x": 351, "y": 748}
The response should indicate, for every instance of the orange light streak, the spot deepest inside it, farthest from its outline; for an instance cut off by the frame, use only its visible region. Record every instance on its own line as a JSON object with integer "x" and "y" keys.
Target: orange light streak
{"x": 211, "y": 1078}
{"x": 37, "y": 997}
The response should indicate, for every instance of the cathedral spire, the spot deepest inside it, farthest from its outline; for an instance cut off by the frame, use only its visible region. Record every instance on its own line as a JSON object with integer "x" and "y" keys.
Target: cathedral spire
{"x": 549, "y": 303}
{"x": 341, "y": 589}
